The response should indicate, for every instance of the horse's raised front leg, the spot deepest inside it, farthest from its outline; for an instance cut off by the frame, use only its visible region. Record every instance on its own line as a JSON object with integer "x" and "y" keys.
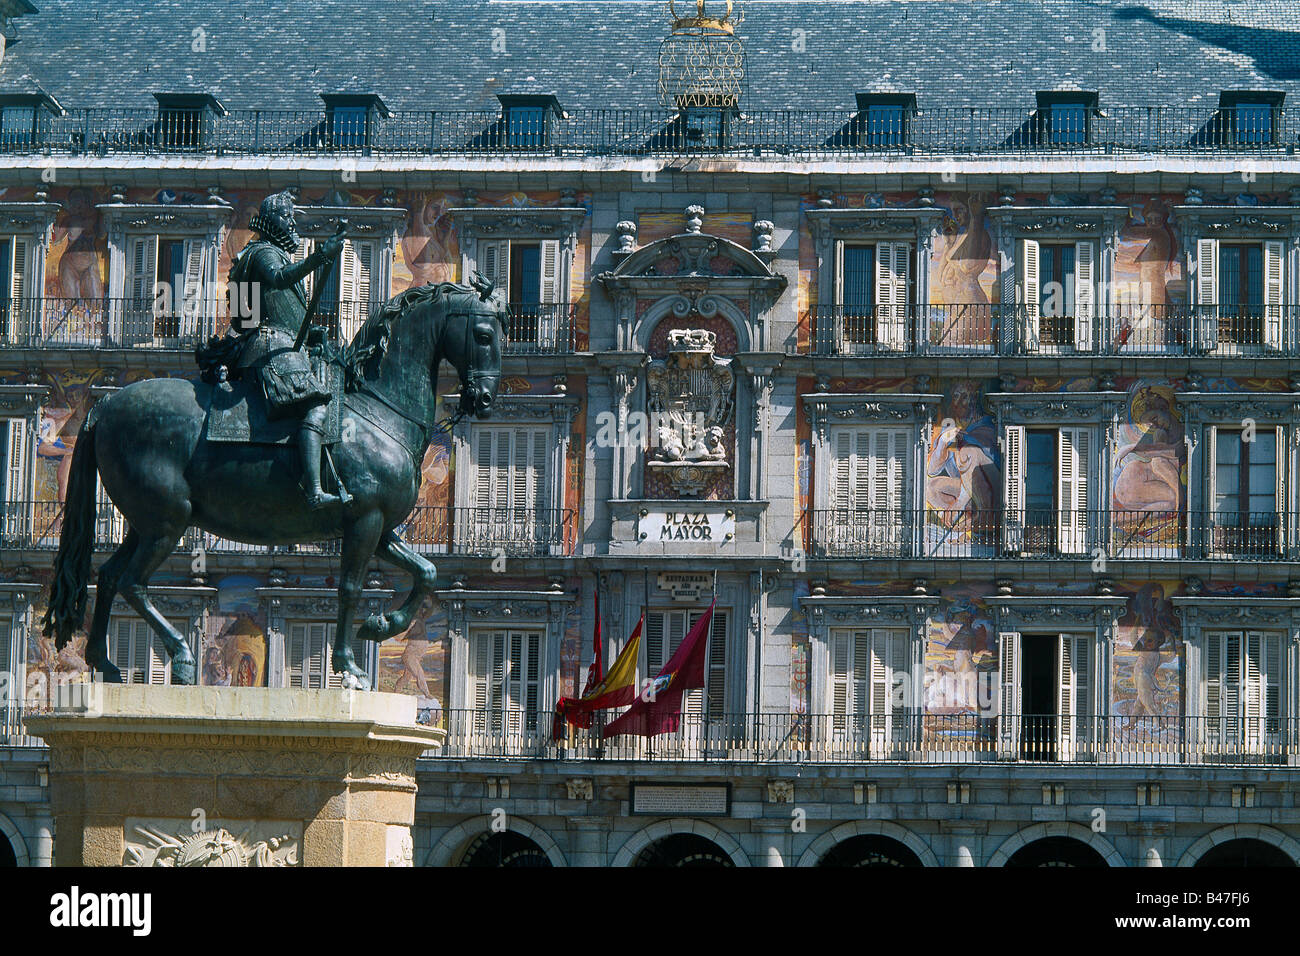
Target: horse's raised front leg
{"x": 110, "y": 573}
{"x": 395, "y": 551}
{"x": 360, "y": 537}
{"x": 133, "y": 584}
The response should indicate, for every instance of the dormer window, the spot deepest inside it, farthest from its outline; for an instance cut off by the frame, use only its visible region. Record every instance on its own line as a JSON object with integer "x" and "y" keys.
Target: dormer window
{"x": 883, "y": 119}
{"x": 1065, "y": 117}
{"x": 1248, "y": 117}
{"x": 527, "y": 119}
{"x": 24, "y": 118}
{"x": 185, "y": 120}
{"x": 350, "y": 119}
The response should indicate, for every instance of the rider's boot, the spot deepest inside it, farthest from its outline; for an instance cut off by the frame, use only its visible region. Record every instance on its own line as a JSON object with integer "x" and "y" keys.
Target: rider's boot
{"x": 309, "y": 445}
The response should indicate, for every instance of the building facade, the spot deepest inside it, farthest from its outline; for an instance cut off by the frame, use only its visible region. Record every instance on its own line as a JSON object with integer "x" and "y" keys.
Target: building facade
{"x": 966, "y": 390}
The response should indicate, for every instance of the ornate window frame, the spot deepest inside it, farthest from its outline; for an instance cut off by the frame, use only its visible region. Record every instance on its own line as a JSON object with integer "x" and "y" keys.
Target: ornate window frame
{"x": 33, "y": 221}
{"x": 1100, "y": 224}
{"x": 1095, "y": 615}
{"x": 827, "y": 611}
{"x": 533, "y": 223}
{"x": 557, "y": 412}
{"x": 1268, "y": 409}
{"x": 471, "y": 609}
{"x": 1201, "y": 613}
{"x": 280, "y": 604}
{"x": 829, "y": 225}
{"x": 829, "y": 411}
{"x": 1195, "y": 221}
{"x": 125, "y": 221}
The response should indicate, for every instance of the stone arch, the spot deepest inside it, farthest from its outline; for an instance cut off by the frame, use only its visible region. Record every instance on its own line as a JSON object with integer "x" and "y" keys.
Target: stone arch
{"x": 674, "y": 305}
{"x": 10, "y": 831}
{"x": 454, "y": 840}
{"x": 1241, "y": 831}
{"x": 1055, "y": 828}
{"x": 845, "y": 831}
{"x": 638, "y": 841}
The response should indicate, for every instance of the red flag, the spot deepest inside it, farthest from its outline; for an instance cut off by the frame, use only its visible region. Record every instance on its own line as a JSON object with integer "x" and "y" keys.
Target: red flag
{"x": 685, "y": 670}
{"x": 596, "y": 672}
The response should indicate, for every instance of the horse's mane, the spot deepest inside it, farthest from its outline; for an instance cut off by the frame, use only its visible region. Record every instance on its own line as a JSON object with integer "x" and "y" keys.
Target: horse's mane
{"x": 369, "y": 345}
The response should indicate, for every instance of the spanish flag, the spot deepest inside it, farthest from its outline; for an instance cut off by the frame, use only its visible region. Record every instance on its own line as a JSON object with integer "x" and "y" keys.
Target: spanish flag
{"x": 659, "y": 709}
{"x": 616, "y": 689}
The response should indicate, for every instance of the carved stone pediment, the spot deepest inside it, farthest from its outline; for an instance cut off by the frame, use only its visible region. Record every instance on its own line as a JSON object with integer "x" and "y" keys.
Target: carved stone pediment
{"x": 691, "y": 399}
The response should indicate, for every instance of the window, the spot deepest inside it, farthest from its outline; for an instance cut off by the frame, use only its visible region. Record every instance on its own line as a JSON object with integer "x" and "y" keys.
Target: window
{"x": 17, "y": 477}
{"x": 16, "y": 308}
{"x": 870, "y": 476}
{"x": 1047, "y": 489}
{"x": 873, "y": 289}
{"x": 868, "y": 669}
{"x": 1046, "y": 708}
{"x": 1239, "y": 294}
{"x": 1242, "y": 688}
{"x": 11, "y": 660}
{"x": 530, "y": 272}
{"x": 17, "y": 126}
{"x": 166, "y": 285}
{"x": 1247, "y": 117}
{"x": 882, "y": 120}
{"x": 351, "y": 290}
{"x": 504, "y": 681}
{"x": 137, "y": 652}
{"x": 511, "y": 506}
{"x": 1065, "y": 117}
{"x": 1245, "y": 490}
{"x": 664, "y": 633}
{"x": 308, "y": 655}
{"x": 1057, "y": 294}
{"x": 526, "y": 119}
{"x": 349, "y": 127}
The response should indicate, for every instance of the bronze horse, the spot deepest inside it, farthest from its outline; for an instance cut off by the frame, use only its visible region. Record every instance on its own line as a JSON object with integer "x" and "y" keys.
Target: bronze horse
{"x": 147, "y": 445}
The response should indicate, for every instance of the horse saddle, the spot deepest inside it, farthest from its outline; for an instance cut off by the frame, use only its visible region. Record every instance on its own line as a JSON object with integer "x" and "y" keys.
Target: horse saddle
{"x": 238, "y": 411}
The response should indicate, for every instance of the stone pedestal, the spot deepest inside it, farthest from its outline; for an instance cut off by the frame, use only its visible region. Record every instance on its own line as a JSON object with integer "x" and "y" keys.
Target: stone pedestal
{"x": 233, "y": 776}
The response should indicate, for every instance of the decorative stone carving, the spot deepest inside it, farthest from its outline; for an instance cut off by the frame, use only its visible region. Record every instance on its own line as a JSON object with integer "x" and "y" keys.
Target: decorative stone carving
{"x": 626, "y": 232}
{"x": 694, "y": 219}
{"x": 174, "y": 843}
{"x": 780, "y": 791}
{"x": 764, "y": 230}
{"x": 691, "y": 395}
{"x": 580, "y": 788}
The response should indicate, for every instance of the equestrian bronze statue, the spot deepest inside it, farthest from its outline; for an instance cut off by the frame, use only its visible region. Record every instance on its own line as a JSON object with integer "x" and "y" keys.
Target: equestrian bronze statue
{"x": 219, "y": 453}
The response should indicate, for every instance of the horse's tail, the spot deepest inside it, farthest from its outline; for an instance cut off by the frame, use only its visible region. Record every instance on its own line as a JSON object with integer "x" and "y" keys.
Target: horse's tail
{"x": 67, "y": 605}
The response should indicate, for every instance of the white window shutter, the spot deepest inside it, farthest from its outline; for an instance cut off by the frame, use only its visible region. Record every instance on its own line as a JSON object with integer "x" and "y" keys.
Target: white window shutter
{"x": 550, "y": 258}
{"x": 141, "y": 651}
{"x": 1009, "y": 698}
{"x": 20, "y": 310}
{"x": 297, "y": 656}
{"x": 654, "y": 644}
{"x": 1074, "y": 454}
{"x": 893, "y": 272}
{"x": 1210, "y": 467}
{"x": 355, "y": 310}
{"x": 159, "y": 663}
{"x": 484, "y": 473}
{"x": 680, "y": 624}
{"x": 7, "y": 656}
{"x": 840, "y": 644}
{"x": 1273, "y": 253}
{"x": 17, "y": 472}
{"x": 1029, "y": 293}
{"x": 494, "y": 262}
{"x": 1013, "y": 487}
{"x": 194, "y": 308}
{"x": 122, "y": 657}
{"x": 142, "y": 269}
{"x": 1085, "y": 294}
{"x": 842, "y": 472}
{"x": 1207, "y": 293}
{"x": 348, "y": 269}
{"x": 1072, "y": 694}
{"x": 1279, "y": 489}
{"x": 305, "y": 249}
{"x": 838, "y": 291}
{"x": 1230, "y": 703}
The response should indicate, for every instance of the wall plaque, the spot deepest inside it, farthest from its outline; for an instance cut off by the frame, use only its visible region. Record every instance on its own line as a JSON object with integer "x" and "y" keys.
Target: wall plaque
{"x": 693, "y": 527}
{"x": 681, "y": 799}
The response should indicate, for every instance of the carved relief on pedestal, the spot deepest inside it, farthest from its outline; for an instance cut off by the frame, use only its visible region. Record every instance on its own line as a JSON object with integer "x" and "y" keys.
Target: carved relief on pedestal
{"x": 175, "y": 843}
{"x": 691, "y": 398}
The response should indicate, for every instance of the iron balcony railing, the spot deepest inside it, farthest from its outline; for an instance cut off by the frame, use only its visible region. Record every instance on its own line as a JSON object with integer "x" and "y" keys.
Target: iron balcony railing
{"x": 430, "y": 529}
{"x": 779, "y": 134}
{"x": 51, "y": 322}
{"x": 902, "y": 735}
{"x": 13, "y": 728}
{"x": 1226, "y": 329}
{"x": 1048, "y": 534}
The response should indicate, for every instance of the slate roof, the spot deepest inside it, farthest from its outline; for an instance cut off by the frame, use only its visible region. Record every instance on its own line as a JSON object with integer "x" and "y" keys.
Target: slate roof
{"x": 427, "y": 54}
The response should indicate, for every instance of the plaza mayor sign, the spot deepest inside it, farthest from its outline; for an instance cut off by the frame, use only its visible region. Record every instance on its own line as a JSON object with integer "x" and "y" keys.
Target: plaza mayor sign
{"x": 688, "y": 526}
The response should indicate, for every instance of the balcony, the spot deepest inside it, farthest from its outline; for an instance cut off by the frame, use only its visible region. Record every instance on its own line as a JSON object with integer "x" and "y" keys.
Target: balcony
{"x": 541, "y": 329}
{"x": 774, "y": 134}
{"x": 1224, "y": 330}
{"x": 900, "y": 736}
{"x": 479, "y": 532}
{"x": 1049, "y": 535}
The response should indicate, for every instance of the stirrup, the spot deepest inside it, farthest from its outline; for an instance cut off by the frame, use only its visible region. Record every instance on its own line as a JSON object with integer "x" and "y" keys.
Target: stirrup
{"x": 319, "y": 499}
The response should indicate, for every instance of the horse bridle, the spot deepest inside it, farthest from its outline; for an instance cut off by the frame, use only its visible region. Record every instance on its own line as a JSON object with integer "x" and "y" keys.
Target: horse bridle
{"x": 472, "y": 376}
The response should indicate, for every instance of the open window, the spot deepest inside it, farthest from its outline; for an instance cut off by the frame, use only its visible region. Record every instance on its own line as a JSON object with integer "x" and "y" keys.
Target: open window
{"x": 1057, "y": 295}
{"x": 530, "y": 270}
{"x": 1244, "y": 490}
{"x": 1048, "y": 476}
{"x": 1045, "y": 706}
{"x": 874, "y": 284}
{"x": 1239, "y": 294}
{"x": 352, "y": 289}
{"x": 18, "y": 295}
{"x": 169, "y": 300}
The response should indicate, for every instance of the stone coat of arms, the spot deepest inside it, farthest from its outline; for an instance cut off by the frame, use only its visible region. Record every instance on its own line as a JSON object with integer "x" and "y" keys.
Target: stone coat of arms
{"x": 690, "y": 395}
